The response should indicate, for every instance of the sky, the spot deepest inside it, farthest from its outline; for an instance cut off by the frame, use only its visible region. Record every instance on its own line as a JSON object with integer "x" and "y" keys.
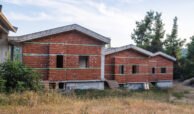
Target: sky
{"x": 111, "y": 18}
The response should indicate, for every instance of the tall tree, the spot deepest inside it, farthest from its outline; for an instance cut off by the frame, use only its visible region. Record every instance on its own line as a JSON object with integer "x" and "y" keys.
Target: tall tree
{"x": 149, "y": 32}
{"x": 174, "y": 47}
{"x": 141, "y": 34}
{"x": 173, "y": 44}
{"x": 190, "y": 53}
{"x": 189, "y": 61}
{"x": 158, "y": 34}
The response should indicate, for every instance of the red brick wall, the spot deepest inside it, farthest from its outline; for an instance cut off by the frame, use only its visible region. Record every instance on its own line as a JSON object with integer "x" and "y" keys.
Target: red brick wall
{"x": 131, "y": 57}
{"x": 49, "y": 52}
{"x": 159, "y": 62}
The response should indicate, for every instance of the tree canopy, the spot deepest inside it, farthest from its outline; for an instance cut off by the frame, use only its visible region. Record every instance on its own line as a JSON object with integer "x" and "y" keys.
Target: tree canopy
{"x": 149, "y": 32}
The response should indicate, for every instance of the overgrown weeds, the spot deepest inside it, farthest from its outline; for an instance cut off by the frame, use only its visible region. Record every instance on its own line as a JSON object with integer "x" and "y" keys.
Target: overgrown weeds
{"x": 30, "y": 98}
{"x": 16, "y": 77}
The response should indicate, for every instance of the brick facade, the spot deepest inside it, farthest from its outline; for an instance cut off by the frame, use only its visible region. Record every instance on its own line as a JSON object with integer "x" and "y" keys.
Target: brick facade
{"x": 131, "y": 57}
{"x": 41, "y": 54}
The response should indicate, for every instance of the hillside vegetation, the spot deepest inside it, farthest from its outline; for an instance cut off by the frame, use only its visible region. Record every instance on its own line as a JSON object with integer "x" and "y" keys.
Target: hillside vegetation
{"x": 175, "y": 100}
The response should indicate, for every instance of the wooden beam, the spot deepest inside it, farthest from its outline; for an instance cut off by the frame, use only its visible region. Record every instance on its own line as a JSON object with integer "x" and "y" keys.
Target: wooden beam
{"x": 6, "y": 22}
{"x": 4, "y": 30}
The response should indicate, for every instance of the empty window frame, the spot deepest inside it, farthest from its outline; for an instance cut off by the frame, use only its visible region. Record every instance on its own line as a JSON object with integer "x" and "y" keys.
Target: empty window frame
{"x": 135, "y": 69}
{"x": 163, "y": 70}
{"x": 59, "y": 61}
{"x": 61, "y": 85}
{"x": 83, "y": 61}
{"x": 121, "y": 69}
{"x": 153, "y": 70}
{"x": 52, "y": 85}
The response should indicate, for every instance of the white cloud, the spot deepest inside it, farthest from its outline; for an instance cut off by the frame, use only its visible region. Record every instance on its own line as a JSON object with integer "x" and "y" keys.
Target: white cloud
{"x": 110, "y": 21}
{"x": 38, "y": 17}
{"x": 131, "y": 1}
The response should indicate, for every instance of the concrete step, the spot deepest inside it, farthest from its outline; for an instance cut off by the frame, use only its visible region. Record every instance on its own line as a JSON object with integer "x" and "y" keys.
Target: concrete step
{"x": 113, "y": 84}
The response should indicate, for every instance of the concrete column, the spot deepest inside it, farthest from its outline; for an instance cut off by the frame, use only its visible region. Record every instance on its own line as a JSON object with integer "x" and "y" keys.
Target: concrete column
{"x": 57, "y": 86}
{"x": 102, "y": 62}
{"x": 21, "y": 53}
{"x": 3, "y": 47}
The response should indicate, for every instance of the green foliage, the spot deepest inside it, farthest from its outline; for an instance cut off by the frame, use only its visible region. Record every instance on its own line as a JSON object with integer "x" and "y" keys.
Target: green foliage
{"x": 149, "y": 32}
{"x": 2, "y": 83}
{"x": 189, "y": 60}
{"x": 184, "y": 66}
{"x": 173, "y": 44}
{"x": 142, "y": 33}
{"x": 178, "y": 95}
{"x": 95, "y": 94}
{"x": 16, "y": 77}
{"x": 174, "y": 47}
{"x": 158, "y": 30}
{"x": 190, "y": 54}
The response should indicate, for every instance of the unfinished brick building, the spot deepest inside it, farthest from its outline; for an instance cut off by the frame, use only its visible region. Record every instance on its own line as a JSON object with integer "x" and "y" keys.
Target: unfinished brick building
{"x": 68, "y": 57}
{"x": 134, "y": 67}
{"x": 75, "y": 57}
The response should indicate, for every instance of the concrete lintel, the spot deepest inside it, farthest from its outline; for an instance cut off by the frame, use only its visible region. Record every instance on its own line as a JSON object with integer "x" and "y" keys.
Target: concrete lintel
{"x": 165, "y": 81}
{"x": 76, "y": 81}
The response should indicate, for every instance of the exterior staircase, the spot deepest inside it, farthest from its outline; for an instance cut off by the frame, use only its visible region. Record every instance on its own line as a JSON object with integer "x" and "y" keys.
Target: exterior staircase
{"x": 113, "y": 84}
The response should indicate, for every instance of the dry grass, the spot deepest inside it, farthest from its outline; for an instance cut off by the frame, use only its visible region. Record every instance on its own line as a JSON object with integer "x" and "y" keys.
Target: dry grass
{"x": 94, "y": 102}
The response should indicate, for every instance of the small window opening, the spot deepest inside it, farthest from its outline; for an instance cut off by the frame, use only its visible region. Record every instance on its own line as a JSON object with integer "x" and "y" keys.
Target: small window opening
{"x": 52, "y": 85}
{"x": 163, "y": 70}
{"x": 121, "y": 69}
{"x": 153, "y": 83}
{"x": 59, "y": 61}
{"x": 134, "y": 69}
{"x": 153, "y": 70}
{"x": 83, "y": 62}
{"x": 61, "y": 85}
{"x": 12, "y": 53}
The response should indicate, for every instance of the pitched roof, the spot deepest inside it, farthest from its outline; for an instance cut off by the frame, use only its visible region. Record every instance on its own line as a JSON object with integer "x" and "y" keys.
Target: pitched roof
{"x": 164, "y": 55}
{"x": 143, "y": 51}
{"x": 6, "y": 23}
{"x": 67, "y": 28}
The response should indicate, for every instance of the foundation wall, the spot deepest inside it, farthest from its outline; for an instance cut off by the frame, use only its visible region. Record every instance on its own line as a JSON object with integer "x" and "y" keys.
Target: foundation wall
{"x": 86, "y": 85}
{"x": 134, "y": 86}
{"x": 164, "y": 84}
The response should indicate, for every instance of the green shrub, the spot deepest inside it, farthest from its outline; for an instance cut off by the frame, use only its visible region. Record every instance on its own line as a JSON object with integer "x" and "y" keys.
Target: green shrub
{"x": 16, "y": 77}
{"x": 2, "y": 83}
{"x": 96, "y": 94}
{"x": 178, "y": 95}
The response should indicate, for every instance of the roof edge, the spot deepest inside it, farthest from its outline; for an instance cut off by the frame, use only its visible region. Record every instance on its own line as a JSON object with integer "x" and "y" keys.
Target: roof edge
{"x": 130, "y": 46}
{"x": 164, "y": 55}
{"x": 7, "y": 23}
{"x": 58, "y": 30}
{"x": 141, "y": 50}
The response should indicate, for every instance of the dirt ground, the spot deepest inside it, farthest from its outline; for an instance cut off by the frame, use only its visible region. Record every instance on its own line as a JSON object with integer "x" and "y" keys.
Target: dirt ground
{"x": 177, "y": 100}
{"x": 187, "y": 92}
